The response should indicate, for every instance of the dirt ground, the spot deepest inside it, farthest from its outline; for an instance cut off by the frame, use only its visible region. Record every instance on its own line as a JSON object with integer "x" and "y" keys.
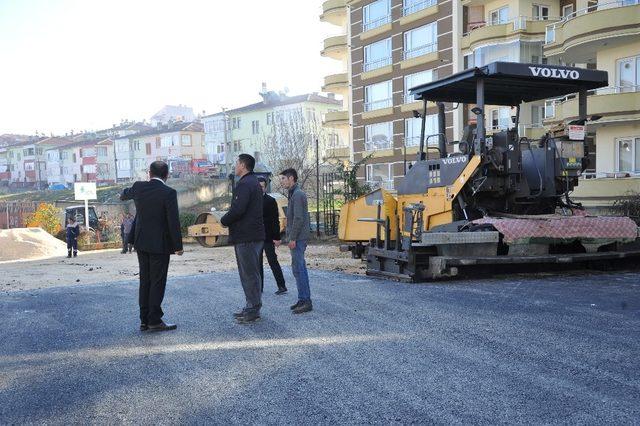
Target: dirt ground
{"x": 111, "y": 266}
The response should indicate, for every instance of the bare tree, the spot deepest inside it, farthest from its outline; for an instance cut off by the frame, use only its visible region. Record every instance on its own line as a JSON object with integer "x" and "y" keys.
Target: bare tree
{"x": 291, "y": 143}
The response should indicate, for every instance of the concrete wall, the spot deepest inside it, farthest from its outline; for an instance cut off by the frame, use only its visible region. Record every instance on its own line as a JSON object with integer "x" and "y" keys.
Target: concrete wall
{"x": 606, "y": 59}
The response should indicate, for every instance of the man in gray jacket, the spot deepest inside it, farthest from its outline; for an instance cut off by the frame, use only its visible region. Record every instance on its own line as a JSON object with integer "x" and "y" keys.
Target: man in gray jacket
{"x": 298, "y": 231}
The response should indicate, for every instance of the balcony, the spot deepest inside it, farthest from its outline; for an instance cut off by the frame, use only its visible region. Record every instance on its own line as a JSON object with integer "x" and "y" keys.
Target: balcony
{"x": 418, "y": 11}
{"x": 378, "y": 108}
{"x": 336, "y": 119}
{"x": 338, "y": 152}
{"x": 377, "y": 68}
{"x": 334, "y": 12}
{"x": 336, "y": 83}
{"x": 375, "y": 27}
{"x": 580, "y": 35}
{"x": 419, "y": 55}
{"x": 335, "y": 47}
{"x": 483, "y": 33}
{"x": 613, "y": 103}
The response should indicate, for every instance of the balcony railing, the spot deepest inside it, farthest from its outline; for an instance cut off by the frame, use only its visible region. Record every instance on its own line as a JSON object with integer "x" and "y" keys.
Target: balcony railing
{"x": 378, "y": 63}
{"x": 384, "y": 184}
{"x": 417, "y": 7}
{"x": 550, "y": 33}
{"x": 374, "y": 105}
{"x": 366, "y": 26}
{"x": 550, "y": 107}
{"x": 372, "y": 145}
{"x": 519, "y": 23}
{"x": 420, "y": 50}
{"x": 592, "y": 174}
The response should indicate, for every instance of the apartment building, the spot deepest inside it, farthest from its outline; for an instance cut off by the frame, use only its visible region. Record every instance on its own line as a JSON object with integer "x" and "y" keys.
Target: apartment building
{"x": 395, "y": 45}
{"x": 105, "y": 162}
{"x": 335, "y": 47}
{"x": 27, "y": 162}
{"x": 4, "y": 165}
{"x": 234, "y": 131}
{"x": 133, "y": 153}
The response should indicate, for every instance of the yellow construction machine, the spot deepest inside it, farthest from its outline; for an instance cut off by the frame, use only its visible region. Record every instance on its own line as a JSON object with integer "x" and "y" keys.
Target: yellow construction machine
{"x": 499, "y": 202}
{"x": 209, "y": 232}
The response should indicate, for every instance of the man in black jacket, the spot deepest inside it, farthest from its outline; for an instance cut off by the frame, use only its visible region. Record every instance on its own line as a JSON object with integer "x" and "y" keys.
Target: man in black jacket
{"x": 271, "y": 217}
{"x": 246, "y": 232}
{"x": 156, "y": 235}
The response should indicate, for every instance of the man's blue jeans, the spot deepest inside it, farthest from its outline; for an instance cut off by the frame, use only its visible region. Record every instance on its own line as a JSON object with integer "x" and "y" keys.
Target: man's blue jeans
{"x": 299, "y": 267}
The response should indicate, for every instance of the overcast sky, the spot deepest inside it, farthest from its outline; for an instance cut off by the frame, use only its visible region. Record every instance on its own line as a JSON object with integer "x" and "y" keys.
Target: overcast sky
{"x": 87, "y": 64}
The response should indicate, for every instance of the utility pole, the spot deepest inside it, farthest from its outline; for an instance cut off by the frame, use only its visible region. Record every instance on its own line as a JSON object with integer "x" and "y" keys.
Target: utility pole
{"x": 317, "y": 188}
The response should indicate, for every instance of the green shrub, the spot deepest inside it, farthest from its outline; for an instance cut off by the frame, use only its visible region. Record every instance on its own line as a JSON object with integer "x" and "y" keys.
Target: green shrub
{"x": 186, "y": 220}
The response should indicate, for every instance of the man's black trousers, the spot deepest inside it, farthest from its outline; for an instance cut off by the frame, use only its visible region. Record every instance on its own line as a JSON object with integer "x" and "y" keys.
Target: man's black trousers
{"x": 153, "y": 280}
{"x": 272, "y": 258}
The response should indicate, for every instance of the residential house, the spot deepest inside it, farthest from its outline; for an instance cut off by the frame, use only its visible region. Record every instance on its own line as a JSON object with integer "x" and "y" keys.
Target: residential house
{"x": 243, "y": 130}
{"x": 172, "y": 113}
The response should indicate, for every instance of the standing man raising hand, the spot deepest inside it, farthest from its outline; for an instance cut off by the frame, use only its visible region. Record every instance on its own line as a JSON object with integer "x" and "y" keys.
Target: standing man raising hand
{"x": 156, "y": 236}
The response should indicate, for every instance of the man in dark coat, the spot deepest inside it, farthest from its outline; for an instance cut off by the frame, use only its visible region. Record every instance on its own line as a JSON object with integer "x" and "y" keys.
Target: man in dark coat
{"x": 72, "y": 233}
{"x": 271, "y": 217}
{"x": 156, "y": 235}
{"x": 246, "y": 233}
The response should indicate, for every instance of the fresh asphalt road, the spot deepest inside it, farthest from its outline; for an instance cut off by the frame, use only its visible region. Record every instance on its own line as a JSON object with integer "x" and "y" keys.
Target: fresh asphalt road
{"x": 552, "y": 349}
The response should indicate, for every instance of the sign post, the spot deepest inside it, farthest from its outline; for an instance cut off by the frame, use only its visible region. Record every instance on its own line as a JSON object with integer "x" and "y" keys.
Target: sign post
{"x": 85, "y": 191}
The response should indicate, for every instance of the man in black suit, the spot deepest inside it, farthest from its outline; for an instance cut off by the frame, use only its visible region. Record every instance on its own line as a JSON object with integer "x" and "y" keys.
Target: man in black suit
{"x": 156, "y": 235}
{"x": 271, "y": 217}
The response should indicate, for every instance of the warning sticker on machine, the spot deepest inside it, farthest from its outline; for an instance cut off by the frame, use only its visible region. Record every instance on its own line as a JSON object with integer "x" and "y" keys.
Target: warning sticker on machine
{"x": 575, "y": 132}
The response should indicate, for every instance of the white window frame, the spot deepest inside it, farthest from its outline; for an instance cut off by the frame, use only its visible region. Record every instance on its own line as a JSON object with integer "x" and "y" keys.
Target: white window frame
{"x": 370, "y": 145}
{"x": 374, "y": 64}
{"x": 537, "y": 12}
{"x": 408, "y": 84}
{"x": 368, "y": 22}
{"x": 635, "y": 144}
{"x": 567, "y": 10}
{"x": 635, "y": 63}
{"x": 500, "y": 118}
{"x": 374, "y": 104}
{"x": 255, "y": 127}
{"x": 387, "y": 184}
{"x": 411, "y": 51}
{"x": 498, "y": 19}
{"x": 410, "y": 128}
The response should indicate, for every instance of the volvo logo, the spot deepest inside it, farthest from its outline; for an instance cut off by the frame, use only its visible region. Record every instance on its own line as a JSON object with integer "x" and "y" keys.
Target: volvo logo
{"x": 554, "y": 73}
{"x": 454, "y": 160}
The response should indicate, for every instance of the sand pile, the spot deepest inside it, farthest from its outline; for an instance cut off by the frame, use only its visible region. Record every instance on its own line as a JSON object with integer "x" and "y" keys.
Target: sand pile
{"x": 29, "y": 244}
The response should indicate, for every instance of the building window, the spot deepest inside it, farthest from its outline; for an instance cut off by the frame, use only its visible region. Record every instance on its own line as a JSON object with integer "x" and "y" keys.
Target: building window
{"x": 255, "y": 127}
{"x": 378, "y": 96}
{"x": 380, "y": 175}
{"x": 378, "y": 136}
{"x": 421, "y": 41}
{"x": 413, "y": 6}
{"x": 413, "y": 128}
{"x": 237, "y": 146}
{"x": 376, "y": 14}
{"x": 501, "y": 118}
{"x": 377, "y": 55}
{"x": 499, "y": 16}
{"x": 540, "y": 12}
{"x": 185, "y": 140}
{"x": 417, "y": 79}
{"x": 158, "y": 141}
{"x": 269, "y": 118}
{"x": 629, "y": 155}
{"x": 567, "y": 10}
{"x": 235, "y": 123}
{"x": 537, "y": 115}
{"x": 628, "y": 70}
